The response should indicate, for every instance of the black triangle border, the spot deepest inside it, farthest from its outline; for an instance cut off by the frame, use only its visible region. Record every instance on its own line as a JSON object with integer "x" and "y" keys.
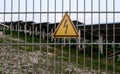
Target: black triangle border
{"x": 77, "y": 35}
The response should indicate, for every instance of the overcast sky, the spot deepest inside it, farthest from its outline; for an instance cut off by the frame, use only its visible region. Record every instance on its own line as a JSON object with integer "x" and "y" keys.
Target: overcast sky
{"x": 52, "y": 18}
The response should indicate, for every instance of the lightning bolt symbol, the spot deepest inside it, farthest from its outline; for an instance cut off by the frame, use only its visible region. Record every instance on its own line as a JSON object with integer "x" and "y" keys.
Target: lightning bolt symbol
{"x": 65, "y": 26}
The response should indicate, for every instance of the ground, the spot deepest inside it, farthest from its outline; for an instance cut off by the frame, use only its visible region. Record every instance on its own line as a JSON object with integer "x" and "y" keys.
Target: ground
{"x": 33, "y": 62}
{"x": 20, "y": 59}
{"x": 1, "y": 34}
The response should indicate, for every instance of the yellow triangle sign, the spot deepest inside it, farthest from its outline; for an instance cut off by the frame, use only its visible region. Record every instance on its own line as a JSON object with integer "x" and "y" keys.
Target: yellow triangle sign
{"x": 66, "y": 29}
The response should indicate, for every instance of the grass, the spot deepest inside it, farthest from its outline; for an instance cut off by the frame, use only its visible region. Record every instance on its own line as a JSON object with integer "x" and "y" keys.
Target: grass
{"x": 81, "y": 59}
{"x": 72, "y": 52}
{"x": 1, "y": 41}
{"x": 22, "y": 35}
{"x": 0, "y": 72}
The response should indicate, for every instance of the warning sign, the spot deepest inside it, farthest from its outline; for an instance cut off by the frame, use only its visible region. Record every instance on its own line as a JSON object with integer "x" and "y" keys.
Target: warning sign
{"x": 66, "y": 29}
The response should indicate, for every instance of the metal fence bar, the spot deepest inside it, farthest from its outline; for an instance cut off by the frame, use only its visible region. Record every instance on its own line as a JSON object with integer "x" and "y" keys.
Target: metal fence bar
{"x": 32, "y": 37}
{"x": 106, "y": 37}
{"x": 11, "y": 38}
{"x": 54, "y": 72}
{"x": 114, "y": 37}
{"x": 62, "y": 58}
{"x": 5, "y": 44}
{"x": 25, "y": 32}
{"x": 3, "y": 58}
{"x": 91, "y": 36}
{"x": 40, "y": 36}
{"x": 18, "y": 27}
{"x": 62, "y": 42}
{"x": 77, "y": 41}
{"x": 99, "y": 58}
{"x": 84, "y": 38}
{"x": 43, "y": 12}
{"x": 69, "y": 58}
{"x": 69, "y": 40}
{"x": 77, "y": 57}
{"x": 47, "y": 66}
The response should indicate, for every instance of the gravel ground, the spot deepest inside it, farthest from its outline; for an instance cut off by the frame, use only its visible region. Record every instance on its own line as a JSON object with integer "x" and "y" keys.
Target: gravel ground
{"x": 20, "y": 62}
{"x": 14, "y": 61}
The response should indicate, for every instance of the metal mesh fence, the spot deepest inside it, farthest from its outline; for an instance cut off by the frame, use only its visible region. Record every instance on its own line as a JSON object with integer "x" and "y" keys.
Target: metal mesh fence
{"x": 27, "y": 46}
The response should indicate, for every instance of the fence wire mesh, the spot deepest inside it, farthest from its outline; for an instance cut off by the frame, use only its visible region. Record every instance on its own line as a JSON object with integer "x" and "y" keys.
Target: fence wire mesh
{"x": 27, "y": 46}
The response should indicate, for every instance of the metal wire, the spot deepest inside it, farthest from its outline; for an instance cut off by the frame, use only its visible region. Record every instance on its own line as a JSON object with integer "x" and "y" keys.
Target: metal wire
{"x": 3, "y": 58}
{"x": 62, "y": 42}
{"x": 91, "y": 36}
{"x": 99, "y": 37}
{"x": 57, "y": 42}
{"x": 106, "y": 38}
{"x": 84, "y": 35}
{"x": 40, "y": 36}
{"x": 11, "y": 38}
{"x": 25, "y": 31}
{"x": 5, "y": 44}
{"x": 18, "y": 27}
{"x": 33, "y": 38}
{"x": 60, "y": 12}
{"x": 114, "y": 37}
{"x": 69, "y": 39}
{"x": 47, "y": 65}
{"x": 77, "y": 41}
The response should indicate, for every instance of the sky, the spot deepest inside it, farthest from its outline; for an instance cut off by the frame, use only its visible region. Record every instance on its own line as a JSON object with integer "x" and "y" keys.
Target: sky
{"x": 87, "y": 19}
